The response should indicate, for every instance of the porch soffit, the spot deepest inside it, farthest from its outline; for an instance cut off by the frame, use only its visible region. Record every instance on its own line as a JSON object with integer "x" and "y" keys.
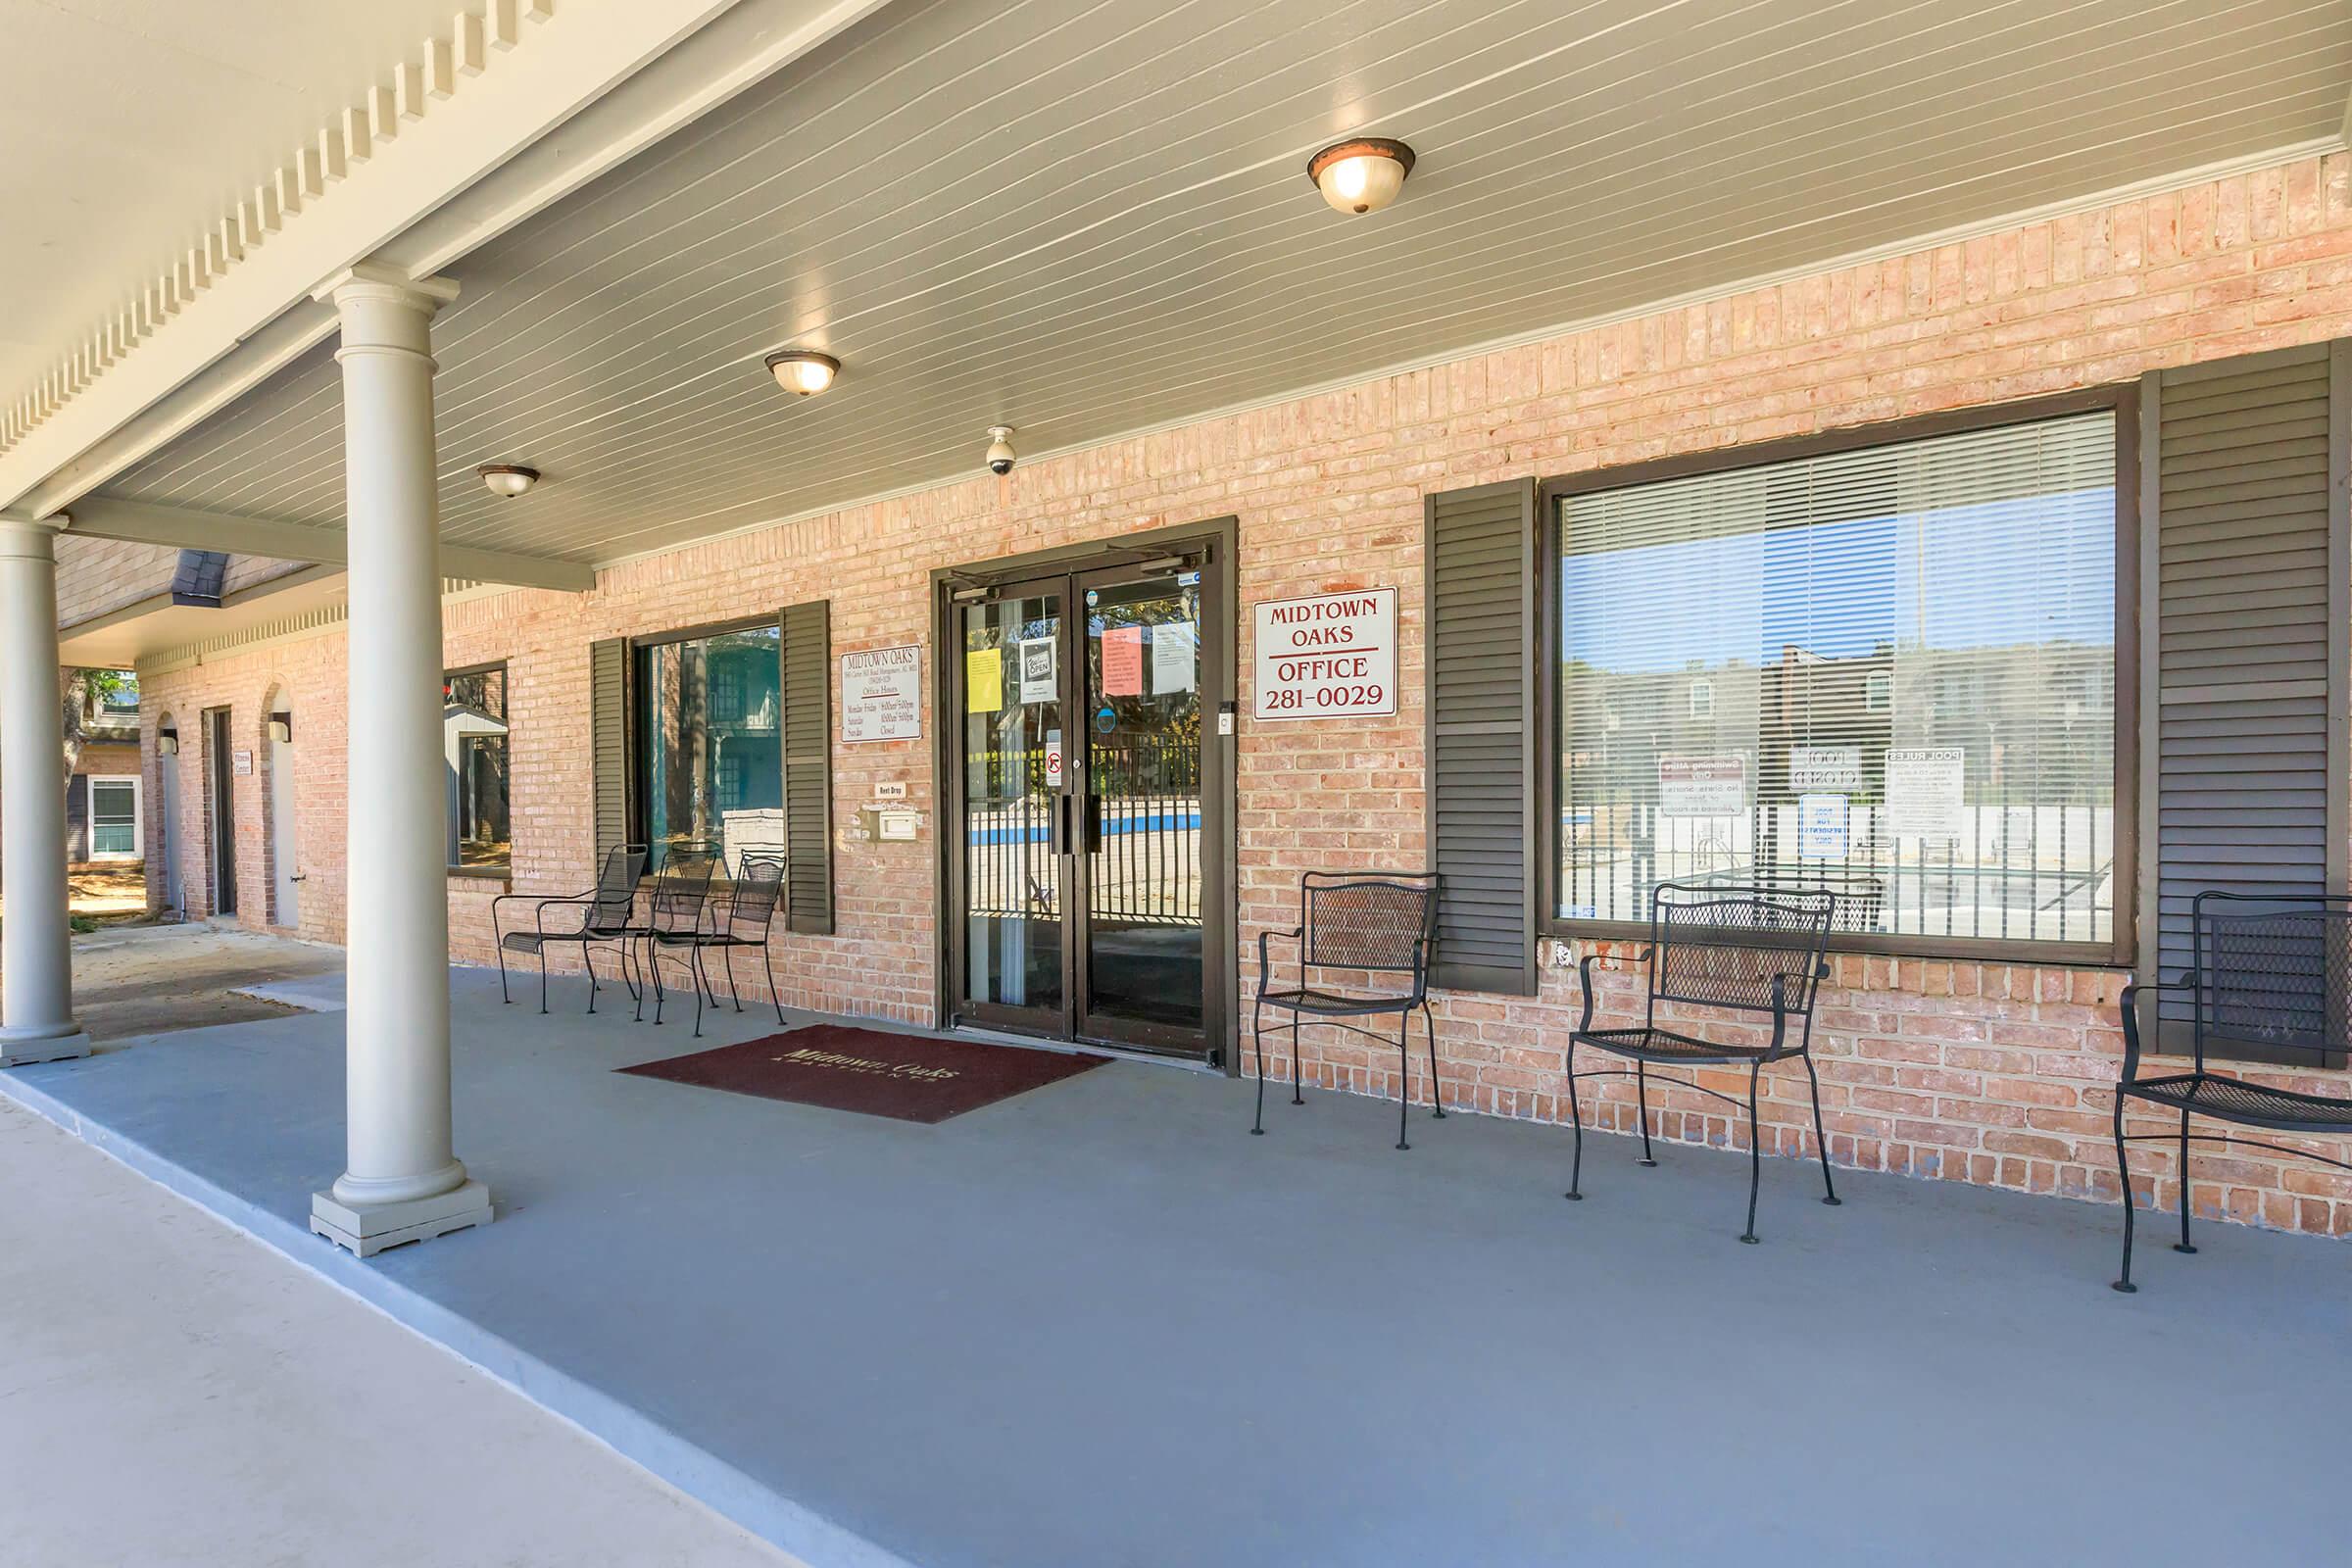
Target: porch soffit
{"x": 1091, "y": 225}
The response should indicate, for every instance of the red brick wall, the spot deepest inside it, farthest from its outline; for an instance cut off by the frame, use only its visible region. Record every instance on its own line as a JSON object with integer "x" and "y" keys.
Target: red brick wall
{"x": 1991, "y": 1073}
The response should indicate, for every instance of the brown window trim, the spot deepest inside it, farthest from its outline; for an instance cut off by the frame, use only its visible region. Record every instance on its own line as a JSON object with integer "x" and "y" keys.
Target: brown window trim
{"x": 640, "y": 781}
{"x": 2119, "y": 397}
{"x": 491, "y": 873}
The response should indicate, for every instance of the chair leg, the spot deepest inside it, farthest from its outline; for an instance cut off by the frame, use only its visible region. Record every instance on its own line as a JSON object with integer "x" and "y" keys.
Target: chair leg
{"x": 2183, "y": 1246}
{"x": 1405, "y": 1073}
{"x": 1821, "y": 1137}
{"x": 653, "y": 962}
{"x": 543, "y": 977}
{"x": 702, "y": 984}
{"x": 1297, "y": 1095}
{"x": 1641, "y": 1089}
{"x": 1257, "y": 1042}
{"x": 2122, "y": 1170}
{"x": 1576, "y": 1118}
{"x": 503, "y": 994}
{"x": 776, "y": 997}
{"x": 733, "y": 994}
{"x": 1437, "y": 1086}
{"x": 588, "y": 957}
{"x": 1756, "y": 1153}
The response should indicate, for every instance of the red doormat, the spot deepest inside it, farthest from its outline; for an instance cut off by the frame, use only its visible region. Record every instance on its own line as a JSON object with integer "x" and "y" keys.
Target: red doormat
{"x": 876, "y": 1075}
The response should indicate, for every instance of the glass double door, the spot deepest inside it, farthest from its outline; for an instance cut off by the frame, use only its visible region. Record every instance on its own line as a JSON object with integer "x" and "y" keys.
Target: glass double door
{"x": 1079, "y": 850}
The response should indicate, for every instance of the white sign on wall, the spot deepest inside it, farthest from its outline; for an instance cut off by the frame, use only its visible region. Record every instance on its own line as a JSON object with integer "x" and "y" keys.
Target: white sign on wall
{"x": 1821, "y": 827}
{"x": 1924, "y": 792}
{"x": 1702, "y": 786}
{"x": 1835, "y": 769}
{"x": 882, "y": 694}
{"x": 1330, "y": 657}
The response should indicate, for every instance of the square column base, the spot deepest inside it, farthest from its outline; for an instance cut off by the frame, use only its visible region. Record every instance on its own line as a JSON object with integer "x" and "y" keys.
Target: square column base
{"x": 18, "y": 1051}
{"x": 379, "y": 1227}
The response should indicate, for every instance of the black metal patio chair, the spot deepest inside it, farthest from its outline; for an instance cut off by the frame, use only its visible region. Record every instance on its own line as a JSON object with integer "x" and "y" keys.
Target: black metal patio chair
{"x": 2271, "y": 976}
{"x": 1743, "y": 950}
{"x": 740, "y": 917}
{"x": 606, "y": 913}
{"x": 1365, "y": 922}
{"x": 677, "y": 911}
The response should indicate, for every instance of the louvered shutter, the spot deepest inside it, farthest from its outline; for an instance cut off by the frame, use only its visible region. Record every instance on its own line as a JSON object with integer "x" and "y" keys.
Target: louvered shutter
{"x": 808, "y": 724}
{"x": 2247, "y": 475}
{"x": 1479, "y": 559}
{"x": 609, "y": 741}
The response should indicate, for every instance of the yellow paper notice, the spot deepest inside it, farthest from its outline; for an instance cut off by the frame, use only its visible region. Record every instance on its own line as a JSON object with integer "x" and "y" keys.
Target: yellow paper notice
{"x": 984, "y": 680}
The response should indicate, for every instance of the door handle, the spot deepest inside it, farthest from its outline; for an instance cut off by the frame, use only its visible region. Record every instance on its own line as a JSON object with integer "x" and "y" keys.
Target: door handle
{"x": 1093, "y": 822}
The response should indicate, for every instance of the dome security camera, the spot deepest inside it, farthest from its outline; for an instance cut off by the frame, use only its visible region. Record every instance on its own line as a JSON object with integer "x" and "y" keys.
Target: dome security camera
{"x": 1001, "y": 456}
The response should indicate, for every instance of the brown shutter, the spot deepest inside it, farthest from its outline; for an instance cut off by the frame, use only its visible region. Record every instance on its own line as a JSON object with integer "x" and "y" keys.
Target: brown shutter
{"x": 807, "y": 726}
{"x": 2243, "y": 492}
{"x": 609, "y": 741}
{"x": 1479, "y": 568}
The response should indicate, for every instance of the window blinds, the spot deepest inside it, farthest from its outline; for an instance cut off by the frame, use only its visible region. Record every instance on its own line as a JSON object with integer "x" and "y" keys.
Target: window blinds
{"x": 1890, "y": 671}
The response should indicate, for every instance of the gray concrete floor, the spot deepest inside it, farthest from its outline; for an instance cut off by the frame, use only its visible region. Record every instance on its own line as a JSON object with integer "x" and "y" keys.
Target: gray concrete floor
{"x": 172, "y": 1391}
{"x": 1100, "y": 1326}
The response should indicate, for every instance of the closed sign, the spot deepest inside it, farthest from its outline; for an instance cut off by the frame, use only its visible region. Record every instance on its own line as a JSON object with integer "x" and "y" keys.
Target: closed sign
{"x": 1329, "y": 657}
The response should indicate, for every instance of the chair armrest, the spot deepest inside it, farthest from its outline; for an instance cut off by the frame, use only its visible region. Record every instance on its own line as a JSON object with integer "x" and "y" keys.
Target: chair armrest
{"x": 1584, "y": 976}
{"x": 1264, "y": 937}
{"x": 2128, "y": 1005}
{"x": 528, "y": 897}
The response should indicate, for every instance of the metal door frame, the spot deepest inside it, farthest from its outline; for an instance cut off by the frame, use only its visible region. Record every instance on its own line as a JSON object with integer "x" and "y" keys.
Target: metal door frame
{"x": 1215, "y": 540}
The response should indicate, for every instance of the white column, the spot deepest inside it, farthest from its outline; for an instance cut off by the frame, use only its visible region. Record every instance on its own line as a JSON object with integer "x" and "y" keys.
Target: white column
{"x": 36, "y": 973}
{"x": 403, "y": 1181}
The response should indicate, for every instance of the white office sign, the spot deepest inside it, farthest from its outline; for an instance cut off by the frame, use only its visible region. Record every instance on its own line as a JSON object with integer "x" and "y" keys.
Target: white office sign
{"x": 1825, "y": 769}
{"x": 1925, "y": 792}
{"x": 1330, "y": 657}
{"x": 1702, "y": 786}
{"x": 882, "y": 694}
{"x": 1821, "y": 827}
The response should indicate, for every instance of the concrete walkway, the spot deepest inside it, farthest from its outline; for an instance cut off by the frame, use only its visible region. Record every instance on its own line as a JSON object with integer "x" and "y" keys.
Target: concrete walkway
{"x": 172, "y": 1391}
{"x": 1100, "y": 1326}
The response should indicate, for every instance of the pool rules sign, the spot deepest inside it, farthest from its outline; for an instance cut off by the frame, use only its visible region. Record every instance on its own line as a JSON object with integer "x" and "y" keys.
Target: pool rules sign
{"x": 1330, "y": 657}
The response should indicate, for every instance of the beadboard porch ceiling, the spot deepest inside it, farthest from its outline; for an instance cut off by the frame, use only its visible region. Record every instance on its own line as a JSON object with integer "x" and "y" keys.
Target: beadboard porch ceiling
{"x": 1085, "y": 221}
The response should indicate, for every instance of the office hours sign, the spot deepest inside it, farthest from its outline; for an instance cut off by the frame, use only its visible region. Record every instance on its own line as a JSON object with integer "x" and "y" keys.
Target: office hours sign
{"x": 1330, "y": 657}
{"x": 882, "y": 695}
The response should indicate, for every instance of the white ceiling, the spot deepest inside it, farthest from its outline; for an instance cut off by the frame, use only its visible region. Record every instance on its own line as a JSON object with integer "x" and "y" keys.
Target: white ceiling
{"x": 1085, "y": 218}
{"x": 128, "y": 128}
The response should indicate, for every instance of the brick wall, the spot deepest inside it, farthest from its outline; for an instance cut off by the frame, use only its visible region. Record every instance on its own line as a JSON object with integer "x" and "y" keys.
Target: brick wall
{"x": 1994, "y": 1073}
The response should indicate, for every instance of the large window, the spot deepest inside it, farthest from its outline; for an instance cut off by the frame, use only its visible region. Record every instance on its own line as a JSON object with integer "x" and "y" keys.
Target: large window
{"x": 473, "y": 741}
{"x": 1890, "y": 671}
{"x": 710, "y": 763}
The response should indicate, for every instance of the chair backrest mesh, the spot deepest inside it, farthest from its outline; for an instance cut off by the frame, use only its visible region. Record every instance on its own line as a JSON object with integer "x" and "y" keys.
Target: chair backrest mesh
{"x": 759, "y": 886}
{"x": 616, "y": 885}
{"x": 2275, "y": 973}
{"x": 1364, "y": 921}
{"x": 1720, "y": 946}
{"x": 683, "y": 887}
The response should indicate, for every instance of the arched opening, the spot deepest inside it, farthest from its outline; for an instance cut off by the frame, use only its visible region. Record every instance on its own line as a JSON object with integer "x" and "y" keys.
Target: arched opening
{"x": 279, "y": 737}
{"x": 169, "y": 878}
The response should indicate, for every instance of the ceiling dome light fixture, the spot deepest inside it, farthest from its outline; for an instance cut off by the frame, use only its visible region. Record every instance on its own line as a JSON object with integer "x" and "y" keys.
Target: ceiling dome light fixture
{"x": 803, "y": 370}
{"x": 508, "y": 479}
{"x": 1361, "y": 174}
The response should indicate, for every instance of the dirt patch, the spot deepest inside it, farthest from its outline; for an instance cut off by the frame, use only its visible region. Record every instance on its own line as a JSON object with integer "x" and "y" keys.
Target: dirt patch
{"x": 148, "y": 980}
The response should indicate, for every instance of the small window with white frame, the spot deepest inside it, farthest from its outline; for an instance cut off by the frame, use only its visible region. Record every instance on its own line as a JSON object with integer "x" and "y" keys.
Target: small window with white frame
{"x": 115, "y": 818}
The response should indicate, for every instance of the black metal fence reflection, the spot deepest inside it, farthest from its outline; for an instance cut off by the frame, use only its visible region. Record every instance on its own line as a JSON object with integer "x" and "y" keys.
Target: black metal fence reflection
{"x": 1140, "y": 815}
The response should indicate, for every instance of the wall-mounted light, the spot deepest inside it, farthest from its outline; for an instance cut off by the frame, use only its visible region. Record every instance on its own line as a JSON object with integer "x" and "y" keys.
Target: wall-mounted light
{"x": 803, "y": 370}
{"x": 167, "y": 743}
{"x": 1361, "y": 174}
{"x": 282, "y": 726}
{"x": 508, "y": 479}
